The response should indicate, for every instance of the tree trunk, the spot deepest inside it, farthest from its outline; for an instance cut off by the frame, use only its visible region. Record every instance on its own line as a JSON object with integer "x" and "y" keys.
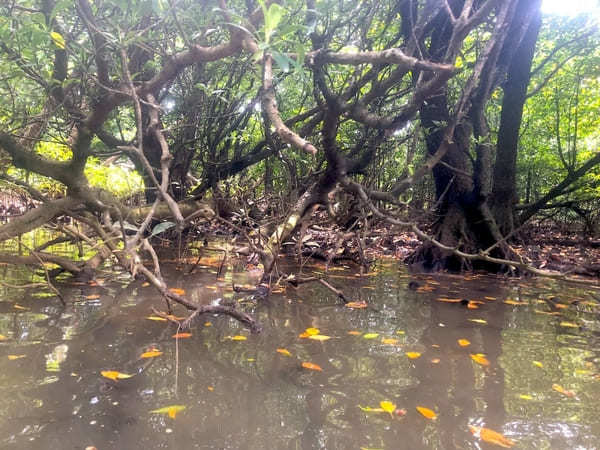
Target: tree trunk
{"x": 504, "y": 195}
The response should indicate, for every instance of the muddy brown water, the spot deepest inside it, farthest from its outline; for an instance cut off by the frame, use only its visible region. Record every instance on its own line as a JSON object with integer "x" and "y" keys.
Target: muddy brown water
{"x": 244, "y": 394}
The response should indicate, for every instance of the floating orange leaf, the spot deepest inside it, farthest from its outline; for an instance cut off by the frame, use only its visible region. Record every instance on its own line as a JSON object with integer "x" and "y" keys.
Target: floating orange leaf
{"x": 92, "y": 297}
{"x": 449, "y": 300}
{"x": 13, "y": 357}
{"x": 491, "y": 436}
{"x": 435, "y": 360}
{"x": 312, "y": 366}
{"x": 182, "y": 335}
{"x": 114, "y": 375}
{"x": 490, "y": 298}
{"x": 207, "y": 324}
{"x": 356, "y": 305}
{"x": 303, "y": 335}
{"x": 2, "y": 337}
{"x": 354, "y": 333}
{"x": 319, "y": 337}
{"x": 19, "y": 307}
{"x": 210, "y": 388}
{"x": 284, "y": 351}
{"x": 509, "y": 301}
{"x": 426, "y": 412}
{"x": 480, "y": 358}
{"x": 151, "y": 354}
{"x": 171, "y": 411}
{"x": 145, "y": 284}
{"x": 464, "y": 342}
{"x": 413, "y": 355}
{"x": 389, "y": 341}
{"x": 472, "y": 305}
{"x": 388, "y": 407}
{"x": 563, "y": 391}
{"x": 177, "y": 291}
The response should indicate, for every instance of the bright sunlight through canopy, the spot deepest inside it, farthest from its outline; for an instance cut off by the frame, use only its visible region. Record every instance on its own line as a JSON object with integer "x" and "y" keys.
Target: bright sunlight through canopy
{"x": 571, "y": 7}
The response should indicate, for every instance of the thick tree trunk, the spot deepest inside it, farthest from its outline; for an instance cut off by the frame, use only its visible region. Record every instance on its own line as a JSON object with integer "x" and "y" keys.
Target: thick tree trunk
{"x": 504, "y": 195}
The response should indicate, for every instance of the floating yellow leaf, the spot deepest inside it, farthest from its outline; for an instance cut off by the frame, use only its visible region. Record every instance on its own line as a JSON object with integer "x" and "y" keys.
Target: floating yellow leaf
{"x": 509, "y": 301}
{"x": 480, "y": 358}
{"x": 114, "y": 375}
{"x": 563, "y": 391}
{"x": 491, "y": 436}
{"x": 182, "y": 335}
{"x": 368, "y": 409}
{"x": 92, "y": 297}
{"x": 210, "y": 388}
{"x": 490, "y": 298}
{"x": 569, "y": 325}
{"x": 2, "y": 337}
{"x": 480, "y": 321}
{"x": 151, "y": 354}
{"x": 354, "y": 333}
{"x": 537, "y": 364}
{"x": 356, "y": 305}
{"x": 58, "y": 40}
{"x": 311, "y": 366}
{"x": 177, "y": 291}
{"x": 319, "y": 337}
{"x": 171, "y": 411}
{"x": 464, "y": 342}
{"x": 435, "y": 360}
{"x": 400, "y": 332}
{"x": 207, "y": 324}
{"x": 156, "y": 318}
{"x": 449, "y": 300}
{"x": 371, "y": 335}
{"x": 426, "y": 412}
{"x": 238, "y": 337}
{"x": 389, "y": 341}
{"x": 413, "y": 355}
{"x": 19, "y": 307}
{"x": 13, "y": 357}
{"x": 525, "y": 397}
{"x": 312, "y": 331}
{"x": 388, "y": 407}
{"x": 284, "y": 351}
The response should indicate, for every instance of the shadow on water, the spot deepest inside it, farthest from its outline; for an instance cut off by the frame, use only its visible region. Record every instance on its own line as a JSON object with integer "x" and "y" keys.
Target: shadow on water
{"x": 244, "y": 394}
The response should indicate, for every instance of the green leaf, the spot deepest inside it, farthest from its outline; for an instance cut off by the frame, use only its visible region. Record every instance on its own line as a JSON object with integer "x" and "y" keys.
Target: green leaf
{"x": 283, "y": 61}
{"x": 272, "y": 19}
{"x": 161, "y": 227}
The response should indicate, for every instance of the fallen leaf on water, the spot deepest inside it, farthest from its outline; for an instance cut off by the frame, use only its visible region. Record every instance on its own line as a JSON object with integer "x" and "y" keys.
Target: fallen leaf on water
{"x": 2, "y": 337}
{"x": 563, "y": 391}
{"x": 303, "y": 335}
{"x": 400, "y": 332}
{"x": 473, "y": 305}
{"x": 356, "y": 305}
{"x": 435, "y": 360}
{"x": 561, "y": 305}
{"x": 389, "y": 341}
{"x": 354, "y": 333}
{"x": 480, "y": 358}
{"x": 19, "y": 307}
{"x": 13, "y": 357}
{"x": 537, "y": 364}
{"x": 509, "y": 301}
{"x": 145, "y": 284}
{"x": 388, "y": 407}
{"x": 368, "y": 409}
{"x": 156, "y": 318}
{"x": 177, "y": 291}
{"x": 151, "y": 354}
{"x": 371, "y": 335}
{"x": 284, "y": 351}
{"x": 413, "y": 355}
{"x": 207, "y": 324}
{"x": 490, "y": 298}
{"x": 525, "y": 397}
{"x": 491, "y": 436}
{"x": 569, "y": 325}
{"x": 319, "y": 337}
{"x": 171, "y": 411}
{"x": 426, "y": 412}
{"x": 210, "y": 388}
{"x": 92, "y": 297}
{"x": 449, "y": 300}
{"x": 182, "y": 335}
{"x": 312, "y": 331}
{"x": 237, "y": 337}
{"x": 548, "y": 313}
{"x": 464, "y": 342}
{"x": 114, "y": 375}
{"x": 480, "y": 321}
{"x": 312, "y": 366}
